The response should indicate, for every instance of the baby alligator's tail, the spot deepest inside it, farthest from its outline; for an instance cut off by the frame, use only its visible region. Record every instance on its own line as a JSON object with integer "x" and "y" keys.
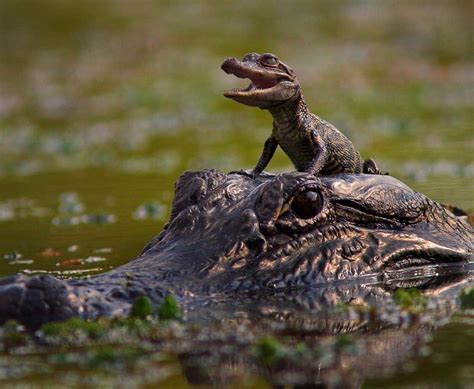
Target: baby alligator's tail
{"x": 371, "y": 167}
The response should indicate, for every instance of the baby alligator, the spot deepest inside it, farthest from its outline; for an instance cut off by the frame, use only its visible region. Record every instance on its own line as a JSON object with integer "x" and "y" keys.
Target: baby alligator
{"x": 313, "y": 145}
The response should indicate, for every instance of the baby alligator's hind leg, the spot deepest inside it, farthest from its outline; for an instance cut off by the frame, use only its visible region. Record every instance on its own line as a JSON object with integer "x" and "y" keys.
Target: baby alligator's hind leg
{"x": 371, "y": 167}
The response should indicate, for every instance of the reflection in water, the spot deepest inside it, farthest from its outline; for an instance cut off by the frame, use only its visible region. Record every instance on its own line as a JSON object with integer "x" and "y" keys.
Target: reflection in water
{"x": 337, "y": 336}
{"x": 343, "y": 335}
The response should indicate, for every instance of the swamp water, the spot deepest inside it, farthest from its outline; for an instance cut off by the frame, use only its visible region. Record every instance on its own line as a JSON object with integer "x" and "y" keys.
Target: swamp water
{"x": 103, "y": 106}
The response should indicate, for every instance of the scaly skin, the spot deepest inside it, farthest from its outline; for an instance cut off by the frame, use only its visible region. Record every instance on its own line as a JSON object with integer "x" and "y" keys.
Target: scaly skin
{"x": 313, "y": 145}
{"x": 230, "y": 234}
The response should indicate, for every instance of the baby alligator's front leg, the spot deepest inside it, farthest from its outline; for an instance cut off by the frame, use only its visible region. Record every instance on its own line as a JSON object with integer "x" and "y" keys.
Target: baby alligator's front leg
{"x": 267, "y": 154}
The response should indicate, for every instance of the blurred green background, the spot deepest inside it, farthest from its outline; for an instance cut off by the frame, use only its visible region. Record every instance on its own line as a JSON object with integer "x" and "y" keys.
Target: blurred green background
{"x": 104, "y": 103}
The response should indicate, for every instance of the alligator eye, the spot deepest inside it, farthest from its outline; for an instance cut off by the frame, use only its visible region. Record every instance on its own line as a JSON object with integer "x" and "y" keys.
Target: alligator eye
{"x": 269, "y": 60}
{"x": 307, "y": 204}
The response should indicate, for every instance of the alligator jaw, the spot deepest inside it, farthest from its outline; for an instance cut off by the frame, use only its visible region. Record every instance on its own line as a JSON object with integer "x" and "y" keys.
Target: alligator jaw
{"x": 266, "y": 86}
{"x": 425, "y": 260}
{"x": 411, "y": 259}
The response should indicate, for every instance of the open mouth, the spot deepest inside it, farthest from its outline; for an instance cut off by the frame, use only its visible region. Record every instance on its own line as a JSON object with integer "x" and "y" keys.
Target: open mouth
{"x": 253, "y": 86}
{"x": 260, "y": 80}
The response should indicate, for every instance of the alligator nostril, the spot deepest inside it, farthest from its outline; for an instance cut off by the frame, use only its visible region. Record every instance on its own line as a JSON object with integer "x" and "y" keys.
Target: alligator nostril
{"x": 228, "y": 64}
{"x": 250, "y": 233}
{"x": 256, "y": 243}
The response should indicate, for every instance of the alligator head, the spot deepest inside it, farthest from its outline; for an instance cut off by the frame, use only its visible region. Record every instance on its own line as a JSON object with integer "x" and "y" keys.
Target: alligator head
{"x": 295, "y": 229}
{"x": 229, "y": 234}
{"x": 272, "y": 81}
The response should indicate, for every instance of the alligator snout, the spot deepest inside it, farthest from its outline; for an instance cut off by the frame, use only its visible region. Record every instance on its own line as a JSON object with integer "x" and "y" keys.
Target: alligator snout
{"x": 229, "y": 64}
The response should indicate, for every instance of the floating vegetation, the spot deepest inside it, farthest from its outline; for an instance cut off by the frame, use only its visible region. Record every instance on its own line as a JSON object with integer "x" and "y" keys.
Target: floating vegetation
{"x": 12, "y": 335}
{"x": 50, "y": 252}
{"x": 71, "y": 262}
{"x": 71, "y": 212}
{"x": 104, "y": 250}
{"x": 112, "y": 356}
{"x": 467, "y": 299}
{"x": 69, "y": 203}
{"x": 21, "y": 208}
{"x": 152, "y": 210}
{"x": 64, "y": 273}
{"x": 421, "y": 171}
{"x": 141, "y": 308}
{"x": 344, "y": 342}
{"x": 74, "y": 328}
{"x": 6, "y": 213}
{"x": 22, "y": 262}
{"x": 94, "y": 259}
{"x": 268, "y": 350}
{"x": 13, "y": 256}
{"x": 411, "y": 300}
{"x": 169, "y": 309}
{"x": 80, "y": 261}
{"x": 101, "y": 218}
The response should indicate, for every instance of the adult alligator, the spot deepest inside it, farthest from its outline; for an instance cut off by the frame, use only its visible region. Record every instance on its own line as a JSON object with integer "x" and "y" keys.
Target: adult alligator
{"x": 231, "y": 234}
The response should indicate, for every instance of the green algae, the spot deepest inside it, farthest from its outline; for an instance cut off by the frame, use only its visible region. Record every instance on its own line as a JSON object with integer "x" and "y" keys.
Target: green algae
{"x": 467, "y": 299}
{"x": 141, "y": 308}
{"x": 13, "y": 256}
{"x": 411, "y": 300}
{"x": 344, "y": 341}
{"x": 143, "y": 319}
{"x": 73, "y": 328}
{"x": 268, "y": 350}
{"x": 169, "y": 309}
{"x": 13, "y": 335}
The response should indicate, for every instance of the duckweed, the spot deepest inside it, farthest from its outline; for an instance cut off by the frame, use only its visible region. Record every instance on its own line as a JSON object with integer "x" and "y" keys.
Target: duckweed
{"x": 73, "y": 327}
{"x": 169, "y": 309}
{"x": 107, "y": 356}
{"x": 467, "y": 299}
{"x": 12, "y": 335}
{"x": 152, "y": 210}
{"x": 410, "y": 300}
{"x": 141, "y": 308}
{"x": 344, "y": 341}
{"x": 268, "y": 350}
{"x": 13, "y": 256}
